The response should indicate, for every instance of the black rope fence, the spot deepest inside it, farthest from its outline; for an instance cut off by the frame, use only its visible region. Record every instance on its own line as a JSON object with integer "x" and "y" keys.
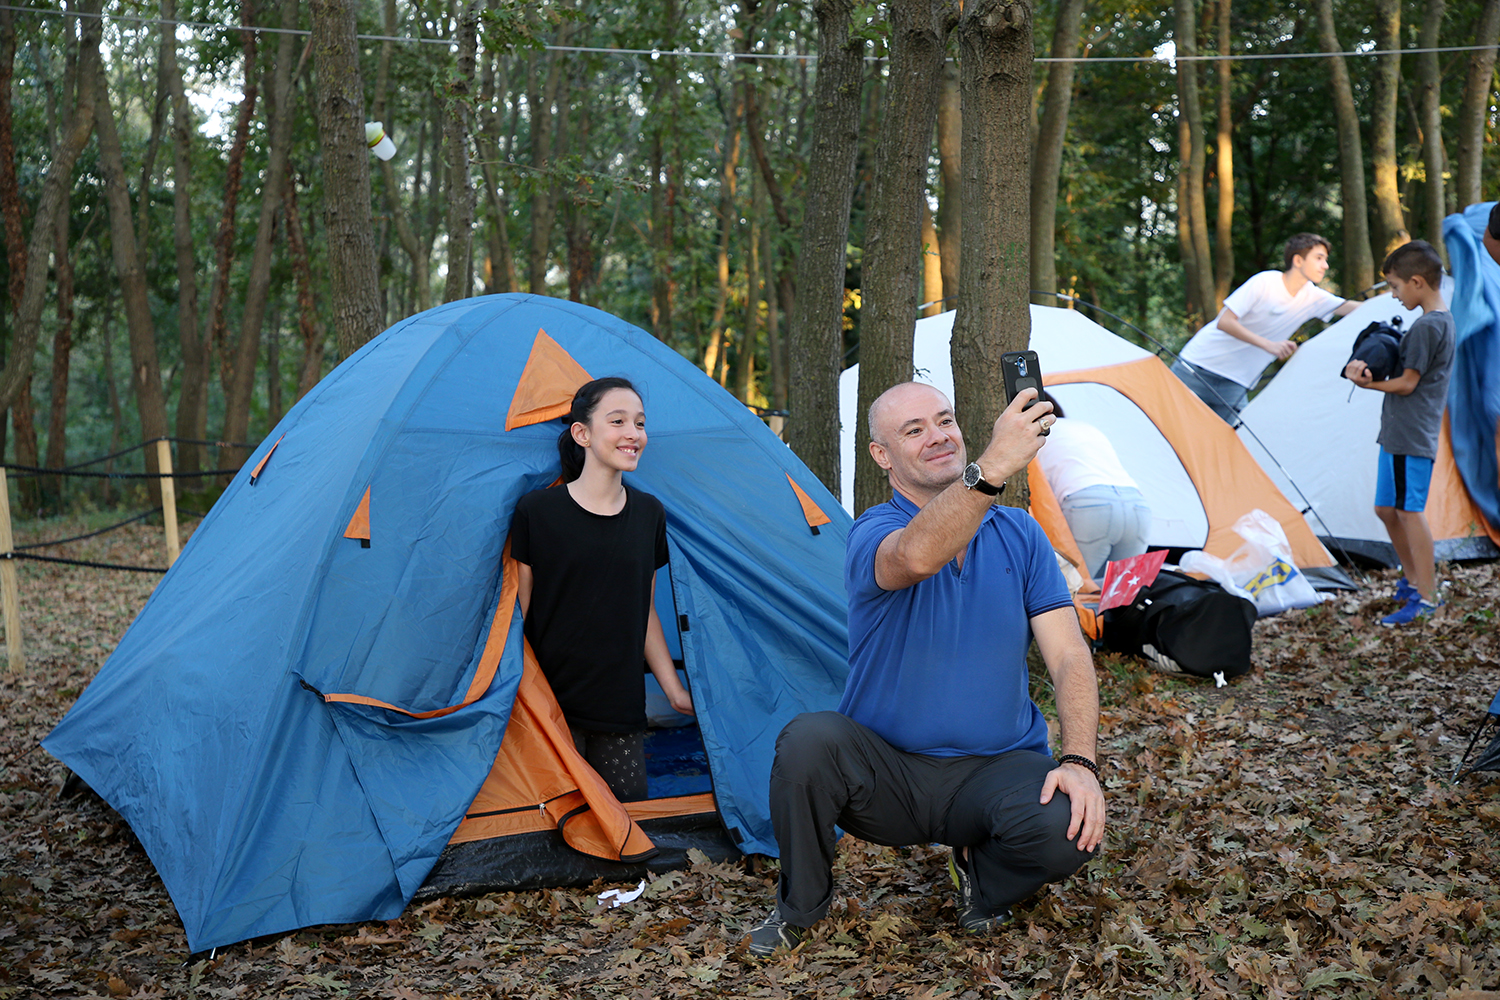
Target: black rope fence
{"x": 92, "y": 534}
{"x": 82, "y": 562}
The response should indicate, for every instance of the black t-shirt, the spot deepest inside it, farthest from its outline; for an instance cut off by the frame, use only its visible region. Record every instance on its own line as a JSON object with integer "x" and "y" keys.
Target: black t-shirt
{"x": 590, "y": 600}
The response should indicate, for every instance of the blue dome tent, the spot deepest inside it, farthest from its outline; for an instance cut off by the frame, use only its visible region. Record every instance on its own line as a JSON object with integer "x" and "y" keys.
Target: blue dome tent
{"x": 300, "y": 720}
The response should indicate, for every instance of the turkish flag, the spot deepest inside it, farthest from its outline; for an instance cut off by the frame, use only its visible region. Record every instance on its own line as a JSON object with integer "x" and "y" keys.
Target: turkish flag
{"x": 1124, "y": 579}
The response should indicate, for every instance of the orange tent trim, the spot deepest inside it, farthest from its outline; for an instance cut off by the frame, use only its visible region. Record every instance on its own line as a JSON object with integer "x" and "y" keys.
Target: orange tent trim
{"x": 359, "y": 524}
{"x": 547, "y": 385}
{"x": 810, "y": 510}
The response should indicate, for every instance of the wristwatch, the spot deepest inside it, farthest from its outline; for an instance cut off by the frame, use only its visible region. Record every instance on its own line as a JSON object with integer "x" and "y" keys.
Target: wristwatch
{"x": 974, "y": 480}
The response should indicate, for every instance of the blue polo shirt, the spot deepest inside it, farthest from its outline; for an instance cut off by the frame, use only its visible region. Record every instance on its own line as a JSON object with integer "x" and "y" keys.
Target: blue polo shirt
{"x": 939, "y": 667}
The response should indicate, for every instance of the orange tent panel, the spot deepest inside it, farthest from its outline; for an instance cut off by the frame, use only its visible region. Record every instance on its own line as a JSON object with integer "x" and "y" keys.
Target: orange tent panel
{"x": 1450, "y": 510}
{"x": 810, "y": 510}
{"x": 359, "y": 524}
{"x": 547, "y": 385}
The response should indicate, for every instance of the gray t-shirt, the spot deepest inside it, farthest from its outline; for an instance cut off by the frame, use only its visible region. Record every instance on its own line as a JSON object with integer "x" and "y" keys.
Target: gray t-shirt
{"x": 1409, "y": 425}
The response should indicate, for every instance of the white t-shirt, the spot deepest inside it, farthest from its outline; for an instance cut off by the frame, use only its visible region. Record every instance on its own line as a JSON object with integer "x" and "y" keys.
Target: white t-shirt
{"x": 1264, "y": 307}
{"x": 1077, "y": 455}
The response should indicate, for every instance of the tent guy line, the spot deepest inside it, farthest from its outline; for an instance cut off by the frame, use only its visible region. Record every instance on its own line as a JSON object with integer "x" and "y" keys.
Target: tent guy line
{"x": 204, "y": 26}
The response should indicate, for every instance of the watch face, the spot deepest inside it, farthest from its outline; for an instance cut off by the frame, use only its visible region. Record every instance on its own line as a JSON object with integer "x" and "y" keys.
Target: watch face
{"x": 972, "y": 475}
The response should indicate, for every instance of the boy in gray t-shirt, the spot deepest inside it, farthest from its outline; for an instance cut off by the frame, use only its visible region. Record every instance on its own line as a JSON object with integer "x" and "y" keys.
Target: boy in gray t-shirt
{"x": 1410, "y": 420}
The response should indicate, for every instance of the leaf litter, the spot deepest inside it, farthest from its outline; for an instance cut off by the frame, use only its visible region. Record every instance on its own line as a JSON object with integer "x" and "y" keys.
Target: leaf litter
{"x": 1295, "y": 834}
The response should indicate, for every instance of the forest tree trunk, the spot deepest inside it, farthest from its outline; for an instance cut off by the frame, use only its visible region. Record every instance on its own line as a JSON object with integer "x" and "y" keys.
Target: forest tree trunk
{"x": 460, "y": 283}
{"x": 415, "y": 250}
{"x": 950, "y": 213}
{"x": 145, "y": 368}
{"x": 1474, "y": 111}
{"x": 817, "y": 327}
{"x": 1384, "y": 95}
{"x": 1359, "y": 268}
{"x": 1051, "y": 134}
{"x": 893, "y": 262}
{"x": 994, "y": 315}
{"x": 353, "y": 274}
{"x": 1430, "y": 111}
{"x": 1224, "y": 167}
{"x": 1194, "y": 215}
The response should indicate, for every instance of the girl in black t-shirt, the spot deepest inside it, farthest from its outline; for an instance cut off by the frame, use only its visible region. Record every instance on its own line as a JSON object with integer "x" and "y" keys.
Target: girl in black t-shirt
{"x": 588, "y": 552}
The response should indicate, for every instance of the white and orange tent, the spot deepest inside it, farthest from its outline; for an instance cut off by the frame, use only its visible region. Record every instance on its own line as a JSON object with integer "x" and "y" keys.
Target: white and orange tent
{"x": 1192, "y": 468}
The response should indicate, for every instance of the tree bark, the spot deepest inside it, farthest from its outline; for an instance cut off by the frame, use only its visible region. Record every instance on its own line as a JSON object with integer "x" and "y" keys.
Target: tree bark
{"x": 415, "y": 250}
{"x": 17, "y": 374}
{"x": 62, "y": 355}
{"x": 816, "y": 329}
{"x": 1224, "y": 167}
{"x": 717, "y": 349}
{"x": 353, "y": 275}
{"x": 1474, "y": 111}
{"x": 307, "y": 311}
{"x": 543, "y": 198}
{"x": 950, "y": 171}
{"x": 994, "y": 314}
{"x": 932, "y": 263}
{"x": 460, "y": 283}
{"x": 893, "y": 261}
{"x": 192, "y": 400}
{"x": 502, "y": 276}
{"x": 1384, "y": 94}
{"x": 1359, "y": 269}
{"x": 1051, "y": 134}
{"x": 1193, "y": 216}
{"x": 145, "y": 369}
{"x": 238, "y": 361}
{"x": 1430, "y": 112}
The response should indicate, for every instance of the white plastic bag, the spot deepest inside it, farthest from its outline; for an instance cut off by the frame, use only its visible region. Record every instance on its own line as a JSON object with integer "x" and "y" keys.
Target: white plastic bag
{"x": 1261, "y": 570}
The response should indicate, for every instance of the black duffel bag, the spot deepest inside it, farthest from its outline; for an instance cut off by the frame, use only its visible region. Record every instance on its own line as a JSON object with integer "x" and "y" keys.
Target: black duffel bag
{"x": 1183, "y": 624}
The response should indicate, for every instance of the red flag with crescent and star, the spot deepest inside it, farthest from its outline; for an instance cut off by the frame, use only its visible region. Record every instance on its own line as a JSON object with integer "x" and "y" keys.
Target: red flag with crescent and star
{"x": 1125, "y": 578}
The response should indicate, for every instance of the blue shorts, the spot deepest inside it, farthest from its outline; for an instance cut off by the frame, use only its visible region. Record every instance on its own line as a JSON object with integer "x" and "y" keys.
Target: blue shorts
{"x": 1402, "y": 481}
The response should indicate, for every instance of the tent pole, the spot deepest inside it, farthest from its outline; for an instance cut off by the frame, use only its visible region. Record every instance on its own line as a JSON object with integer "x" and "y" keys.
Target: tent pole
{"x": 168, "y": 498}
{"x": 9, "y": 587}
{"x": 1458, "y": 773}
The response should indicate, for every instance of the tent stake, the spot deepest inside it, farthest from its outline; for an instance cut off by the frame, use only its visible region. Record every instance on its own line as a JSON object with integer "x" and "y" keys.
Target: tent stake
{"x": 9, "y": 588}
{"x": 168, "y": 498}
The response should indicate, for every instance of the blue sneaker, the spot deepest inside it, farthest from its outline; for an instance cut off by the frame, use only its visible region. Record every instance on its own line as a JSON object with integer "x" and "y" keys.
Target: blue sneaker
{"x": 1410, "y": 612}
{"x": 1405, "y": 591}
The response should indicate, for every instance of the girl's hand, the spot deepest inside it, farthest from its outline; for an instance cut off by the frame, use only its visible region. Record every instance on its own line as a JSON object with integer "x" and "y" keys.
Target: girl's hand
{"x": 681, "y": 700}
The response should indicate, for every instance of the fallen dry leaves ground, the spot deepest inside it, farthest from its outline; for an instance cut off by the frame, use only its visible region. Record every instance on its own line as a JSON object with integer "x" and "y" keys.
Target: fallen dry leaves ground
{"x": 1293, "y": 834}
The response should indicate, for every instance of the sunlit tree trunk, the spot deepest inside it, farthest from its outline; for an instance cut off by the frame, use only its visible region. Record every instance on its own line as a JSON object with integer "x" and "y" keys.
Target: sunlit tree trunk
{"x": 891, "y": 280}
{"x": 1384, "y": 94}
{"x": 994, "y": 315}
{"x": 352, "y": 270}
{"x": 932, "y": 263}
{"x": 950, "y": 171}
{"x": 817, "y": 324}
{"x": 1193, "y": 215}
{"x": 1430, "y": 111}
{"x": 1474, "y": 111}
{"x": 1051, "y": 133}
{"x": 1359, "y": 268}
{"x": 1224, "y": 167}
{"x": 716, "y": 354}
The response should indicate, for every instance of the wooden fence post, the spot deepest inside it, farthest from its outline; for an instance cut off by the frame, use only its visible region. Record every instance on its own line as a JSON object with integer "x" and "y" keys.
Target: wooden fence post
{"x": 10, "y": 597}
{"x": 168, "y": 499}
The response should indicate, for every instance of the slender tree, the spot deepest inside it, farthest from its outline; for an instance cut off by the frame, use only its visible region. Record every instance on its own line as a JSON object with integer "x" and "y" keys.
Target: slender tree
{"x": 1384, "y": 95}
{"x": 353, "y": 278}
{"x": 950, "y": 172}
{"x": 892, "y": 273}
{"x": 1224, "y": 165}
{"x": 1359, "y": 267}
{"x": 460, "y": 88}
{"x": 1192, "y": 215}
{"x": 994, "y": 316}
{"x": 1046, "y": 169}
{"x": 1474, "y": 111}
{"x": 414, "y": 248}
{"x": 817, "y": 325}
{"x": 1430, "y": 111}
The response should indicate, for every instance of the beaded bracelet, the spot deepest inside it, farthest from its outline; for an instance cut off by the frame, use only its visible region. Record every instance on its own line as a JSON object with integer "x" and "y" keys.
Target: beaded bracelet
{"x": 1074, "y": 758}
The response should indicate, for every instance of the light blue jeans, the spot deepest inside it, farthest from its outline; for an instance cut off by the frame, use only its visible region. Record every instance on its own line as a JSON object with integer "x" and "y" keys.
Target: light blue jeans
{"x": 1108, "y": 523}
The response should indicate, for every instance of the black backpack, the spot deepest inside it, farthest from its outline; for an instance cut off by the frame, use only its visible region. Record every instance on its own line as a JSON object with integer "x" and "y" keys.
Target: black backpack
{"x": 1379, "y": 346}
{"x": 1185, "y": 624}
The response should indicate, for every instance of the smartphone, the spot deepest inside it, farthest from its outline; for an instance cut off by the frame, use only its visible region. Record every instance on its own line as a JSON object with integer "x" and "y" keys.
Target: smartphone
{"x": 1021, "y": 370}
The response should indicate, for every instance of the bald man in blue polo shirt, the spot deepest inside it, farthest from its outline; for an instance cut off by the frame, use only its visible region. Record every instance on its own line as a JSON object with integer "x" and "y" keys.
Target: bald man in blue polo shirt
{"x": 937, "y": 738}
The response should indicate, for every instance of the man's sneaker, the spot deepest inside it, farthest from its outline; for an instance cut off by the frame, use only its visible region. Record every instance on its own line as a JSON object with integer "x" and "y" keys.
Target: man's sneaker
{"x": 773, "y": 933}
{"x": 972, "y": 916}
{"x": 1410, "y": 612}
{"x": 1405, "y": 591}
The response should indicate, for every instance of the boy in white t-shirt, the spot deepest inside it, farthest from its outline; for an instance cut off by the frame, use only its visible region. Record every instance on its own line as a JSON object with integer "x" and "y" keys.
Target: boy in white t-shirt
{"x": 1224, "y": 360}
